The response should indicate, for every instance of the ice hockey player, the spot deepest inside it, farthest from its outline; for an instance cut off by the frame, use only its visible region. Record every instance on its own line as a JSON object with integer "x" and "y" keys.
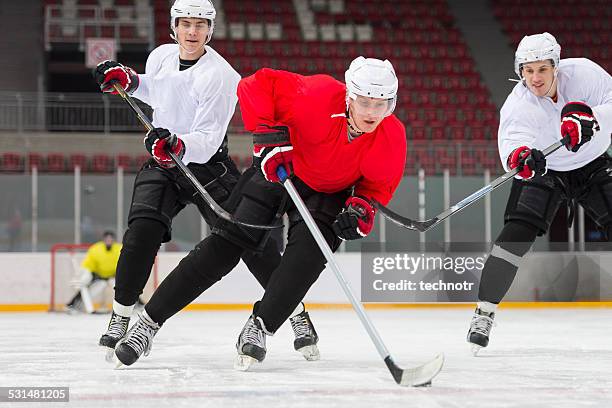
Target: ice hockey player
{"x": 192, "y": 90}
{"x": 554, "y": 98}
{"x": 97, "y": 272}
{"x": 345, "y": 149}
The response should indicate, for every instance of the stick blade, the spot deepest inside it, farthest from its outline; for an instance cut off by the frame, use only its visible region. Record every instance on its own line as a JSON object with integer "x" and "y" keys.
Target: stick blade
{"x": 396, "y": 218}
{"x": 420, "y": 376}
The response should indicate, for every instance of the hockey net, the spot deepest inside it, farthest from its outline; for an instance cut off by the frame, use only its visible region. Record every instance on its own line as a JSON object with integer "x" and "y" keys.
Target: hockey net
{"x": 66, "y": 262}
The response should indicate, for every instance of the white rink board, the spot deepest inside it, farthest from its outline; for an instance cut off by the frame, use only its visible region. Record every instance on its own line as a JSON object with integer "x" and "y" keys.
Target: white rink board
{"x": 26, "y": 277}
{"x": 537, "y": 358}
{"x": 26, "y": 280}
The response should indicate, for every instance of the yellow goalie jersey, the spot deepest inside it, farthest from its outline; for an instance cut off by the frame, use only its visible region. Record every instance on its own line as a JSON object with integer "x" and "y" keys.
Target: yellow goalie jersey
{"x": 101, "y": 261}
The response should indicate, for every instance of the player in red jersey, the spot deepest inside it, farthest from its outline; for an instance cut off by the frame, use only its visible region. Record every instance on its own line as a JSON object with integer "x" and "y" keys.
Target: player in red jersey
{"x": 344, "y": 148}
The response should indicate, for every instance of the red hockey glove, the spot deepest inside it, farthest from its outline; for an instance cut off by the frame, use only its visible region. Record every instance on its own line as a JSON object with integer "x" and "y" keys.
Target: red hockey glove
{"x": 356, "y": 220}
{"x": 271, "y": 149}
{"x": 159, "y": 142}
{"x": 108, "y": 73}
{"x": 577, "y": 120}
{"x": 529, "y": 161}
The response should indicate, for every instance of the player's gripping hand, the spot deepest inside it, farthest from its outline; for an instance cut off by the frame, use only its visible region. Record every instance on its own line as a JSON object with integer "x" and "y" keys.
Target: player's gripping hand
{"x": 271, "y": 149}
{"x": 159, "y": 142}
{"x": 356, "y": 220}
{"x": 578, "y": 122}
{"x": 529, "y": 161}
{"x": 108, "y": 73}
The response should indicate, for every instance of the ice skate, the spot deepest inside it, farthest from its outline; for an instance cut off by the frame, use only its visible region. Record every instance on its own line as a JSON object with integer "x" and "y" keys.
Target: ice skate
{"x": 138, "y": 341}
{"x": 251, "y": 345}
{"x": 480, "y": 330}
{"x": 306, "y": 337}
{"x": 117, "y": 327}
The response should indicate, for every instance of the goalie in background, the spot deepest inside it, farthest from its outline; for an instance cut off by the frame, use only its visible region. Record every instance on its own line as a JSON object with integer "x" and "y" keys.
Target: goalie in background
{"x": 97, "y": 271}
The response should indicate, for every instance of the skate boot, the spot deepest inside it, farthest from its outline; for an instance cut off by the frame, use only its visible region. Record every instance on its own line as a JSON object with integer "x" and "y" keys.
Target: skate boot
{"x": 117, "y": 327}
{"x": 138, "y": 341}
{"x": 306, "y": 337}
{"x": 251, "y": 345}
{"x": 480, "y": 330}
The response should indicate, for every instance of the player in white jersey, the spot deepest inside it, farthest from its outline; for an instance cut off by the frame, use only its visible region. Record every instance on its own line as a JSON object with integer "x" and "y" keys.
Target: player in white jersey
{"x": 553, "y": 99}
{"x": 192, "y": 91}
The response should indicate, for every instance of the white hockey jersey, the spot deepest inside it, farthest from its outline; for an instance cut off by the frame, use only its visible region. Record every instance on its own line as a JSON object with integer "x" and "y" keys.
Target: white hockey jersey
{"x": 529, "y": 120}
{"x": 196, "y": 104}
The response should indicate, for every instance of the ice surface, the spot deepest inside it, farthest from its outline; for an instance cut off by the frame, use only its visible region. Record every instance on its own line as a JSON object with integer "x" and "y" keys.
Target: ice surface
{"x": 536, "y": 358}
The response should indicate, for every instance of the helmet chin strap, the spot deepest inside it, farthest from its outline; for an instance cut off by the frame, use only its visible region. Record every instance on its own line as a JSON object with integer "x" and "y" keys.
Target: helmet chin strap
{"x": 553, "y": 83}
{"x": 352, "y": 128}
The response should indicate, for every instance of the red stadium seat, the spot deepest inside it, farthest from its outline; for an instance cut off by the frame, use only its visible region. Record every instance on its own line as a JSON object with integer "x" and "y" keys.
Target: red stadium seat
{"x": 56, "y": 163}
{"x": 78, "y": 159}
{"x": 101, "y": 163}
{"x": 12, "y": 162}
{"x": 36, "y": 160}
{"x": 438, "y": 132}
{"x": 477, "y": 132}
{"x": 125, "y": 161}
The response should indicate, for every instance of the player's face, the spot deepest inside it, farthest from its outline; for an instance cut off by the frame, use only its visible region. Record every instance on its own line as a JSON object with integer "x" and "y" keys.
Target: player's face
{"x": 108, "y": 240}
{"x": 367, "y": 113}
{"x": 191, "y": 34}
{"x": 539, "y": 77}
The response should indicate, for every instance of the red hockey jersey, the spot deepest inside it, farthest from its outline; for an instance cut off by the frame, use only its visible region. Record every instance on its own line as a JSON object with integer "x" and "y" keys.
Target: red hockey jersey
{"x": 313, "y": 108}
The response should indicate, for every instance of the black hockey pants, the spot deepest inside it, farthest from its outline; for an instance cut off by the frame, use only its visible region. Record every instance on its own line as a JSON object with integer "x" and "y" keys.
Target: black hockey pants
{"x": 159, "y": 195}
{"x": 531, "y": 208}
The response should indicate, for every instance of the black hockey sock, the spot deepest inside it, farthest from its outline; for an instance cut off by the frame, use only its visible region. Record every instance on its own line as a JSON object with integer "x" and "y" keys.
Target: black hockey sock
{"x": 500, "y": 268}
{"x": 262, "y": 265}
{"x": 141, "y": 242}
{"x": 300, "y": 267}
{"x": 207, "y": 263}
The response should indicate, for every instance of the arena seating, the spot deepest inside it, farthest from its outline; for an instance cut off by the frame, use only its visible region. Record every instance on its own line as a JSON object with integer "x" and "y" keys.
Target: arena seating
{"x": 73, "y": 21}
{"x": 591, "y": 22}
{"x": 14, "y": 162}
{"x": 441, "y": 95}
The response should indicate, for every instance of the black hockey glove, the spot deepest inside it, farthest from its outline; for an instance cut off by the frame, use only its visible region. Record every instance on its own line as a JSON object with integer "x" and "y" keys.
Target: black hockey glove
{"x": 108, "y": 73}
{"x": 159, "y": 142}
{"x": 356, "y": 220}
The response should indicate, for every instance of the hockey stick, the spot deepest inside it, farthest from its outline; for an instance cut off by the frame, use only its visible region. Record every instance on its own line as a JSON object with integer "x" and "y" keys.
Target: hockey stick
{"x": 187, "y": 173}
{"x": 417, "y": 376}
{"x": 426, "y": 225}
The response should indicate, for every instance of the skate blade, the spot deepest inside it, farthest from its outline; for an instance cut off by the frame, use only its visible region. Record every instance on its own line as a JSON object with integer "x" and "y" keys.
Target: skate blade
{"x": 310, "y": 353}
{"x": 118, "y": 364}
{"x": 475, "y": 349}
{"x": 244, "y": 362}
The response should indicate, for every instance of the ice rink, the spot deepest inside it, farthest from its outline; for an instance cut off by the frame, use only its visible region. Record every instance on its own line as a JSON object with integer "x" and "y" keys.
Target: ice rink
{"x": 537, "y": 358}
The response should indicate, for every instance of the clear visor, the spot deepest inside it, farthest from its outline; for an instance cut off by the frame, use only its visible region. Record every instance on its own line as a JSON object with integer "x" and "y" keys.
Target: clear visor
{"x": 371, "y": 107}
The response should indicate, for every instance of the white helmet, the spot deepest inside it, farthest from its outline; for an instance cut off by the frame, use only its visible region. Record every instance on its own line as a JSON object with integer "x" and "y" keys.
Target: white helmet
{"x": 193, "y": 9}
{"x": 372, "y": 77}
{"x": 537, "y": 47}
